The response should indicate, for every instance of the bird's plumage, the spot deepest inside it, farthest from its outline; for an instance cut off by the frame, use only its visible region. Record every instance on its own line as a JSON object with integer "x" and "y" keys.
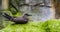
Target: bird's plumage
{"x": 17, "y": 20}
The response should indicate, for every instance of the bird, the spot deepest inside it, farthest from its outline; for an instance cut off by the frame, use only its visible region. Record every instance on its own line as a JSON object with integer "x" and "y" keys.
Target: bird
{"x": 18, "y": 20}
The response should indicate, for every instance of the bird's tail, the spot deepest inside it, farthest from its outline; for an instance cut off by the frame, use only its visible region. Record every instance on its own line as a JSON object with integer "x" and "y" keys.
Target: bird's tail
{"x": 8, "y": 16}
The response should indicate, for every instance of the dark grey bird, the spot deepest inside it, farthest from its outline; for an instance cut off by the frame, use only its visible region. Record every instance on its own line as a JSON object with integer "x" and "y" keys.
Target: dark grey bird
{"x": 18, "y": 20}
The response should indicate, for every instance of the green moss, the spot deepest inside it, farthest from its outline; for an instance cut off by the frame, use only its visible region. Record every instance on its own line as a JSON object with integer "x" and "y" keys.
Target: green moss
{"x": 54, "y": 25}
{"x": 29, "y": 27}
{"x": 48, "y": 26}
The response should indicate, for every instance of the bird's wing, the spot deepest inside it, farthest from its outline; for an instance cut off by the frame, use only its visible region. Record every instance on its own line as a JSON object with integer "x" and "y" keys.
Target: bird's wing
{"x": 20, "y": 19}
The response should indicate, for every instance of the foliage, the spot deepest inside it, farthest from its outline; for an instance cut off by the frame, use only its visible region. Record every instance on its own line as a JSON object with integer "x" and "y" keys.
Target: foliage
{"x": 48, "y": 26}
{"x": 54, "y": 25}
{"x": 14, "y": 6}
{"x": 29, "y": 27}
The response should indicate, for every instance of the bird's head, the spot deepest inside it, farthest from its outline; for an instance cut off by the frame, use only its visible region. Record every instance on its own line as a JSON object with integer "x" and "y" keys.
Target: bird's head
{"x": 27, "y": 14}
